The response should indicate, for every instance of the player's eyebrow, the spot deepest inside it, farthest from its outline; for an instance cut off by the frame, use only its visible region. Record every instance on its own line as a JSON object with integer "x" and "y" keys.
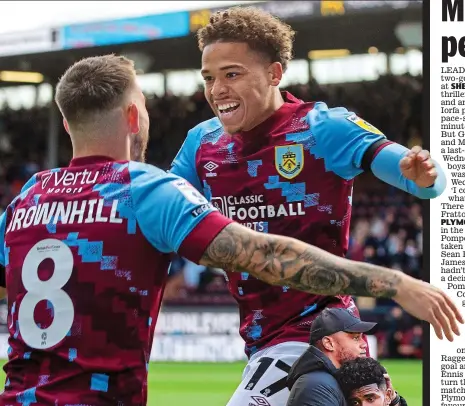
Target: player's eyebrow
{"x": 370, "y": 395}
{"x": 233, "y": 66}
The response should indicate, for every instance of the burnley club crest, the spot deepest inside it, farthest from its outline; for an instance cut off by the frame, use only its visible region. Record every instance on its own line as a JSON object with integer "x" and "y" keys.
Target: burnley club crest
{"x": 289, "y": 160}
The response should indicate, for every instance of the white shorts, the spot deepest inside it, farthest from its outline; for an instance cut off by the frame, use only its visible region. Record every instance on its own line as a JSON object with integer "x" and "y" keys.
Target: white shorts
{"x": 264, "y": 377}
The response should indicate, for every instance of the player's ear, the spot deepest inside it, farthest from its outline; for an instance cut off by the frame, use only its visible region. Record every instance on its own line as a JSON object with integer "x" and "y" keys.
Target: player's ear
{"x": 275, "y": 72}
{"x": 390, "y": 395}
{"x": 66, "y": 125}
{"x": 327, "y": 343}
{"x": 133, "y": 118}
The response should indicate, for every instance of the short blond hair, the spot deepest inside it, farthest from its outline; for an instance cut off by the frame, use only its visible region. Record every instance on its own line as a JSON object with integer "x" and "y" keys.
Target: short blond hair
{"x": 94, "y": 85}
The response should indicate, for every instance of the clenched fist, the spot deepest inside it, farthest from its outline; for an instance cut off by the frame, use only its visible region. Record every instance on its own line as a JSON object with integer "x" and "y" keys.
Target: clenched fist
{"x": 418, "y": 166}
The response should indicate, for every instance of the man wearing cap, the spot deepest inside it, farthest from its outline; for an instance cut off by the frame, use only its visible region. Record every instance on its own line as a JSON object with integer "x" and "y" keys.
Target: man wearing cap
{"x": 336, "y": 336}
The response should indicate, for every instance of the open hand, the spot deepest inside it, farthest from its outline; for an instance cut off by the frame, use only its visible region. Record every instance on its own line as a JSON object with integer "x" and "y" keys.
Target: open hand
{"x": 426, "y": 302}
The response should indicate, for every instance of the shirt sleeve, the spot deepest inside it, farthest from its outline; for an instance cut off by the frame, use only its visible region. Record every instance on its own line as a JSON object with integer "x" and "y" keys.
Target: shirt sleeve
{"x": 316, "y": 389}
{"x": 31, "y": 182}
{"x": 183, "y": 164}
{"x": 386, "y": 167}
{"x": 342, "y": 138}
{"x": 3, "y": 259}
{"x": 3, "y": 248}
{"x": 2, "y": 239}
{"x": 169, "y": 209}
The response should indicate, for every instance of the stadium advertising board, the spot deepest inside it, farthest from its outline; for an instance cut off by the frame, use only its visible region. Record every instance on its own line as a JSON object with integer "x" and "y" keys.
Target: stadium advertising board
{"x": 331, "y": 8}
{"x": 202, "y": 335}
{"x": 198, "y": 335}
{"x": 29, "y": 42}
{"x": 286, "y": 10}
{"x": 128, "y": 30}
{"x": 295, "y": 10}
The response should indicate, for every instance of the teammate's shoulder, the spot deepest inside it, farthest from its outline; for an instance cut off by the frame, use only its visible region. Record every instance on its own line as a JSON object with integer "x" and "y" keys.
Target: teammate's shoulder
{"x": 141, "y": 173}
{"x": 322, "y": 113}
{"x": 31, "y": 182}
{"x": 339, "y": 120}
{"x": 26, "y": 189}
{"x": 205, "y": 128}
{"x": 137, "y": 169}
{"x": 152, "y": 185}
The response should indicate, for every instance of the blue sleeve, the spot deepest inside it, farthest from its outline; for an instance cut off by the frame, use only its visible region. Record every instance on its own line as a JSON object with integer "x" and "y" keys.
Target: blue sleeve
{"x": 341, "y": 138}
{"x": 316, "y": 389}
{"x": 2, "y": 239}
{"x": 183, "y": 164}
{"x": 167, "y": 207}
{"x": 386, "y": 166}
{"x": 31, "y": 182}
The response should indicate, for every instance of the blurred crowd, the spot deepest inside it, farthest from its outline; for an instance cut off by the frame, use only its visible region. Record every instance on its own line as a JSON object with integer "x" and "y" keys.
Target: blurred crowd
{"x": 387, "y": 230}
{"x": 386, "y": 227}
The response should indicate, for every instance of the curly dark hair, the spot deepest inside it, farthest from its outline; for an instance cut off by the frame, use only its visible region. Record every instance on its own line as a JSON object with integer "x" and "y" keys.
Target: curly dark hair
{"x": 355, "y": 374}
{"x": 261, "y": 31}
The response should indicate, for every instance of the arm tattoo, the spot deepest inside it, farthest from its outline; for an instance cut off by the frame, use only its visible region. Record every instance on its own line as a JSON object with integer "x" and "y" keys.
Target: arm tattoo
{"x": 285, "y": 261}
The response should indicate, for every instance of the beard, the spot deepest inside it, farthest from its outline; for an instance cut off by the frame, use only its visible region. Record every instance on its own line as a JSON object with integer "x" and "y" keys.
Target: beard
{"x": 139, "y": 146}
{"x": 344, "y": 355}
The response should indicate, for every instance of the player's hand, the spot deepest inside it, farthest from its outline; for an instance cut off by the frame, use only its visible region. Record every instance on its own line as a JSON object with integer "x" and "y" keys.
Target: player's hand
{"x": 389, "y": 386}
{"x": 419, "y": 167}
{"x": 388, "y": 382}
{"x": 428, "y": 303}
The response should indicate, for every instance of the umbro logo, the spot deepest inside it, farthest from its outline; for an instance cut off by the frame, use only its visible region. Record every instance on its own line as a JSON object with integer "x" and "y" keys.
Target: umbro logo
{"x": 210, "y": 167}
{"x": 259, "y": 401}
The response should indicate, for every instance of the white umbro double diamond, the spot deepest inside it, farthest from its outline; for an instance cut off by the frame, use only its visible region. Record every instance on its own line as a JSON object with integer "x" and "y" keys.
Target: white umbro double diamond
{"x": 210, "y": 166}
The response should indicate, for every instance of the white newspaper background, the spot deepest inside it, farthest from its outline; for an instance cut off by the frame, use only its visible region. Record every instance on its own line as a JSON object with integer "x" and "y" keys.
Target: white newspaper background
{"x": 447, "y": 241}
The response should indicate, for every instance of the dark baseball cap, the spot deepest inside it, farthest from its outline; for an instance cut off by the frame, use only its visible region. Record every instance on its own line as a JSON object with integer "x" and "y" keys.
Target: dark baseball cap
{"x": 331, "y": 321}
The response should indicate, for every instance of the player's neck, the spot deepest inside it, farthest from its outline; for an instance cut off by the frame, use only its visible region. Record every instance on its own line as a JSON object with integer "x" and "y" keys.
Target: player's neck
{"x": 278, "y": 100}
{"x": 102, "y": 151}
{"x": 276, "y": 103}
{"x": 110, "y": 143}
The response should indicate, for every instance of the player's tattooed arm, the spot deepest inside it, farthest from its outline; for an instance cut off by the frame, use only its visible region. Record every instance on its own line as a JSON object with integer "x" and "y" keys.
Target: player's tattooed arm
{"x": 285, "y": 261}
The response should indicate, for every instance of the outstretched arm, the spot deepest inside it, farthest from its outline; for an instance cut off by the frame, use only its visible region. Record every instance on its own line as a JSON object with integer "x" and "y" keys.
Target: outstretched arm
{"x": 280, "y": 260}
{"x": 286, "y": 261}
{"x": 349, "y": 146}
{"x": 413, "y": 171}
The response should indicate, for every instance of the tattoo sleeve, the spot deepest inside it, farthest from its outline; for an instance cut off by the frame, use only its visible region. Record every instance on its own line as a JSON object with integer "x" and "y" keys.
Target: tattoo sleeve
{"x": 285, "y": 261}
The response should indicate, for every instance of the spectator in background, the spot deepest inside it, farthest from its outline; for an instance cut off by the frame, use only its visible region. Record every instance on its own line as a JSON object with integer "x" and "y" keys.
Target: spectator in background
{"x": 411, "y": 343}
